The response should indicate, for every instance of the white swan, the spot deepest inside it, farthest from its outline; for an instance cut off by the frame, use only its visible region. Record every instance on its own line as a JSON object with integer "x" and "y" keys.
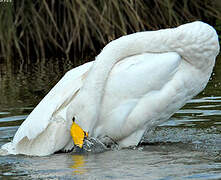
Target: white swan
{"x": 137, "y": 82}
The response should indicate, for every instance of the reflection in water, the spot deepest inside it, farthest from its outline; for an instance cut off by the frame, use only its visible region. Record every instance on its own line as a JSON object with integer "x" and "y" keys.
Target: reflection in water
{"x": 78, "y": 164}
{"x": 26, "y": 84}
{"x": 186, "y": 147}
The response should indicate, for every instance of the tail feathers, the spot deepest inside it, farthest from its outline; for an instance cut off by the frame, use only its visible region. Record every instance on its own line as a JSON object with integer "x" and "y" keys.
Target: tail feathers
{"x": 8, "y": 148}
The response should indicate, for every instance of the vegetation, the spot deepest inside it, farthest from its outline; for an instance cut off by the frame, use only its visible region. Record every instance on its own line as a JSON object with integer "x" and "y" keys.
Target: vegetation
{"x": 31, "y": 30}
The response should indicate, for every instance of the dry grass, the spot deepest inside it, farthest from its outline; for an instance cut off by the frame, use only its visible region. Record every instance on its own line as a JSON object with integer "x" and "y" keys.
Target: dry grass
{"x": 78, "y": 28}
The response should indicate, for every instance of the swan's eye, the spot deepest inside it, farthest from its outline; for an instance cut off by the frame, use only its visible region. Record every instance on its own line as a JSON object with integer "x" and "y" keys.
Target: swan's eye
{"x": 73, "y": 119}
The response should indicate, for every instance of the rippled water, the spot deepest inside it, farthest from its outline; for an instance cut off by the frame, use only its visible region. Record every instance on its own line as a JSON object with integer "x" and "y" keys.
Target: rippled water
{"x": 188, "y": 146}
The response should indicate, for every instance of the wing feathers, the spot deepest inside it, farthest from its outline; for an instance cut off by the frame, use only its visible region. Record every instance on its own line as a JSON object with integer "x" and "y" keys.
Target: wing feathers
{"x": 41, "y": 116}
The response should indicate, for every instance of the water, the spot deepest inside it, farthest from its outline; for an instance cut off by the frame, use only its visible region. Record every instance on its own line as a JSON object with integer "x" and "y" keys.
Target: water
{"x": 188, "y": 146}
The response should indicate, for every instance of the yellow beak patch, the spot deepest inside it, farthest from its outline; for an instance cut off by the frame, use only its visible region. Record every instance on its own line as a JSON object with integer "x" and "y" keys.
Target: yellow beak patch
{"x": 78, "y": 134}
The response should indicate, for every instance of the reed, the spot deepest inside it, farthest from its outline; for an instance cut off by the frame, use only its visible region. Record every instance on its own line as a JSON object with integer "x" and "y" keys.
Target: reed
{"x": 77, "y": 29}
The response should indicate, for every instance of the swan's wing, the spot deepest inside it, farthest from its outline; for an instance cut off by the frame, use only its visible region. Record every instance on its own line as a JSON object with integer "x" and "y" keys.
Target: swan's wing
{"x": 135, "y": 76}
{"x": 61, "y": 93}
{"x": 135, "y": 92}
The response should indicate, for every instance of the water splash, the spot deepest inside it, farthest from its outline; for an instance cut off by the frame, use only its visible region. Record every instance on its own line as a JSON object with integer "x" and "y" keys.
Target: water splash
{"x": 91, "y": 145}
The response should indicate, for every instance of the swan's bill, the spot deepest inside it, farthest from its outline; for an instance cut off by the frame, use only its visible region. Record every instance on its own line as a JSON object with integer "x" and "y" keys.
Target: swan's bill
{"x": 78, "y": 135}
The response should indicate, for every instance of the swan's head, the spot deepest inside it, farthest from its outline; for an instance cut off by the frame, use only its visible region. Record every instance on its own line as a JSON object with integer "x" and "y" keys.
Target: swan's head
{"x": 78, "y": 134}
{"x": 79, "y": 119}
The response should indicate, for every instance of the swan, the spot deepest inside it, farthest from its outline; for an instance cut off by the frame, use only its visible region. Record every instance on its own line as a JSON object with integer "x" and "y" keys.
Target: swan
{"x": 136, "y": 83}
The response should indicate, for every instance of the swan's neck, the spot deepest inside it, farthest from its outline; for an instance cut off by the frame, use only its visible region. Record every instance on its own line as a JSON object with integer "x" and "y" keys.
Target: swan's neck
{"x": 196, "y": 42}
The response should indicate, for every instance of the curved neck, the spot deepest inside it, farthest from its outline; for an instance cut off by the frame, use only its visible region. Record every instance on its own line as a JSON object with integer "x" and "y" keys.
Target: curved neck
{"x": 187, "y": 40}
{"x": 117, "y": 50}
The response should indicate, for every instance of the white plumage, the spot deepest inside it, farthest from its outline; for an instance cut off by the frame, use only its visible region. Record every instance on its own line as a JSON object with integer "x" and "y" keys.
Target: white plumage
{"x": 136, "y": 83}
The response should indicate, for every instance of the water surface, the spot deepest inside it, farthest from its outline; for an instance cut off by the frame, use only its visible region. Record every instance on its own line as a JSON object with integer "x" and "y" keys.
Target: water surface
{"x": 188, "y": 146}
